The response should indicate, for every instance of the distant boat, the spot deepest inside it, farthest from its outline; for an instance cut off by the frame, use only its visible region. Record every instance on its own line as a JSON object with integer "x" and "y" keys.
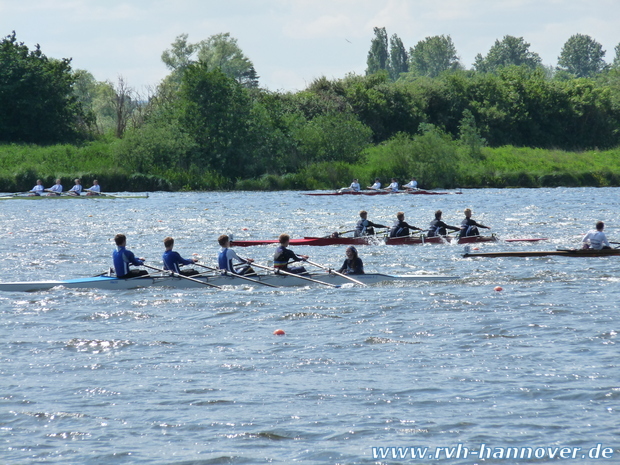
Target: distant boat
{"x": 73, "y": 197}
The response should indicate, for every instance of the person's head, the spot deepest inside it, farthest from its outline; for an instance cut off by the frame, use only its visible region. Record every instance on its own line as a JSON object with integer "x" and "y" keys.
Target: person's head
{"x": 77, "y": 181}
{"x": 39, "y": 181}
{"x": 467, "y": 212}
{"x": 120, "y": 240}
{"x": 363, "y": 214}
{"x": 393, "y": 179}
{"x": 376, "y": 179}
{"x": 57, "y": 181}
{"x": 400, "y": 216}
{"x": 438, "y": 214}
{"x": 600, "y": 225}
{"x": 355, "y": 180}
{"x": 223, "y": 240}
{"x": 351, "y": 252}
{"x": 168, "y": 242}
{"x": 95, "y": 182}
{"x": 284, "y": 239}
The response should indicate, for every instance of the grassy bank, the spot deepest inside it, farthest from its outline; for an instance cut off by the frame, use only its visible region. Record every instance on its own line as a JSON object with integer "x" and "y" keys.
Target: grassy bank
{"x": 22, "y": 165}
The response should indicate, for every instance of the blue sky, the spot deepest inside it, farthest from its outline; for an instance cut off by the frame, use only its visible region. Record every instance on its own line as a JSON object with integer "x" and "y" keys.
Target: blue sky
{"x": 291, "y": 43}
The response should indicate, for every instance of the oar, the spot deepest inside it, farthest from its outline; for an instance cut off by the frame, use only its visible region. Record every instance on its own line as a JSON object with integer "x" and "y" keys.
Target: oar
{"x": 295, "y": 275}
{"x": 177, "y": 275}
{"x": 341, "y": 233}
{"x": 337, "y": 273}
{"x": 236, "y": 275}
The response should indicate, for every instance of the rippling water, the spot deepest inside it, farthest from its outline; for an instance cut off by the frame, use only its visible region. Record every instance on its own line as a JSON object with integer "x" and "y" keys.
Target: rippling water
{"x": 197, "y": 377}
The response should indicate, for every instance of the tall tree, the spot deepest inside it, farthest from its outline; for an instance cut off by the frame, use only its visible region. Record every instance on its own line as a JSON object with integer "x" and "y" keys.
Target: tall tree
{"x": 616, "y": 62}
{"x": 433, "y": 55}
{"x": 509, "y": 51}
{"x": 398, "y": 60}
{"x": 582, "y": 56}
{"x": 378, "y": 53}
{"x": 36, "y": 96}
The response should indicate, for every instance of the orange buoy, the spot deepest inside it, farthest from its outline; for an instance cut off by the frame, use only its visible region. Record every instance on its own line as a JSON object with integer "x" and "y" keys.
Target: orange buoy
{"x": 244, "y": 229}
{"x": 499, "y": 288}
{"x": 279, "y": 332}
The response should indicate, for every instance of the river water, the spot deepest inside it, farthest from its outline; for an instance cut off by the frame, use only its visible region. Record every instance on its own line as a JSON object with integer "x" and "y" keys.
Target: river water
{"x": 165, "y": 376}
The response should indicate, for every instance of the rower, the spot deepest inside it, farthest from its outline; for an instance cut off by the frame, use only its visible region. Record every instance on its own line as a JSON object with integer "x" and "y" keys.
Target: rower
{"x": 376, "y": 186}
{"x": 282, "y": 256}
{"x": 227, "y": 255}
{"x": 173, "y": 260}
{"x": 76, "y": 189}
{"x": 411, "y": 185}
{"x": 352, "y": 264}
{"x": 366, "y": 227}
{"x": 38, "y": 189}
{"x": 469, "y": 227}
{"x": 596, "y": 238}
{"x": 95, "y": 189}
{"x": 438, "y": 227}
{"x": 122, "y": 258}
{"x": 401, "y": 228}
{"x": 393, "y": 187}
{"x": 56, "y": 189}
{"x": 354, "y": 187}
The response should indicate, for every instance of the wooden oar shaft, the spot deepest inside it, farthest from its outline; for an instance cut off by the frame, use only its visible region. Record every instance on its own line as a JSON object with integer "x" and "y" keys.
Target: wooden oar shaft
{"x": 237, "y": 276}
{"x": 286, "y": 273}
{"x": 177, "y": 275}
{"x": 337, "y": 273}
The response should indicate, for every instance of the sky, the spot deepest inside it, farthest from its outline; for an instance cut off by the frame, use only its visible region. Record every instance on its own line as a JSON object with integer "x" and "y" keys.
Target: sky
{"x": 293, "y": 42}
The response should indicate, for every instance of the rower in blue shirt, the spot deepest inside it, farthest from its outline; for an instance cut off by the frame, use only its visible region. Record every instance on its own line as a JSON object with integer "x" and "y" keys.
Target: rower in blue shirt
{"x": 122, "y": 258}
{"x": 229, "y": 261}
{"x": 172, "y": 259}
{"x": 469, "y": 227}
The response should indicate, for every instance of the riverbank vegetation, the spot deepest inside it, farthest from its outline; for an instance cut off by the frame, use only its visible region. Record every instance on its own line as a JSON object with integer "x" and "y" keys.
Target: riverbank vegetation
{"x": 509, "y": 122}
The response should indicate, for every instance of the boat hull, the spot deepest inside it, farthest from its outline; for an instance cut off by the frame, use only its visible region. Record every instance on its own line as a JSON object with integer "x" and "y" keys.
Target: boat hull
{"x": 413, "y": 192}
{"x": 112, "y": 283}
{"x": 372, "y": 240}
{"x": 543, "y": 253}
{"x": 72, "y": 197}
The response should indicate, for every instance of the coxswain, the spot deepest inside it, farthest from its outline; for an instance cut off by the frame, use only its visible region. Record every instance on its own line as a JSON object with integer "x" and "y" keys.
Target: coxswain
{"x": 595, "y": 238}
{"x": 95, "y": 189}
{"x": 438, "y": 227}
{"x": 229, "y": 261}
{"x": 122, "y": 258}
{"x": 282, "y": 256}
{"x": 173, "y": 260}
{"x": 352, "y": 264}
{"x": 56, "y": 189}
{"x": 469, "y": 227}
{"x": 376, "y": 186}
{"x": 38, "y": 189}
{"x": 366, "y": 227}
{"x": 401, "y": 228}
{"x": 76, "y": 189}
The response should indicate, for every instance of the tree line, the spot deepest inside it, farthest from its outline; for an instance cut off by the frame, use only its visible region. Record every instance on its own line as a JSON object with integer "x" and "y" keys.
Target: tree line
{"x": 209, "y": 124}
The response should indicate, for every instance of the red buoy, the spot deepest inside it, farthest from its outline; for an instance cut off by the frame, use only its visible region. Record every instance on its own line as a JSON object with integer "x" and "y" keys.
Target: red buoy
{"x": 279, "y": 332}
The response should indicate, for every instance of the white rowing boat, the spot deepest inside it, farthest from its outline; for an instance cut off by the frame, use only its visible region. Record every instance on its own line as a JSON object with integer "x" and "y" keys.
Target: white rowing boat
{"x": 73, "y": 197}
{"x": 113, "y": 283}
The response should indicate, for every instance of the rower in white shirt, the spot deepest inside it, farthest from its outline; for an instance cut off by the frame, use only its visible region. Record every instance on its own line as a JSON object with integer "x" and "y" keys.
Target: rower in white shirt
{"x": 38, "y": 189}
{"x": 376, "y": 185}
{"x": 76, "y": 189}
{"x": 354, "y": 187}
{"x": 393, "y": 187}
{"x": 596, "y": 239}
{"x": 95, "y": 189}
{"x": 413, "y": 184}
{"x": 56, "y": 189}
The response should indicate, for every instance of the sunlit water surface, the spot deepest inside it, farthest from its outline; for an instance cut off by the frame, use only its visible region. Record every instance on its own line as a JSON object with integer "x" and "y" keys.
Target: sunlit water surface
{"x": 165, "y": 376}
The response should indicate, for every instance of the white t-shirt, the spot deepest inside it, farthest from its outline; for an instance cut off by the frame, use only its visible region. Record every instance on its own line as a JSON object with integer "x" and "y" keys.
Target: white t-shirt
{"x": 597, "y": 239}
{"x": 355, "y": 186}
{"x": 393, "y": 186}
{"x": 412, "y": 184}
{"x": 376, "y": 185}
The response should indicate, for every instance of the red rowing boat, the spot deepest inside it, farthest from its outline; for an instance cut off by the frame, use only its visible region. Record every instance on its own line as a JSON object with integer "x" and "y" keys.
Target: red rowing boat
{"x": 375, "y": 240}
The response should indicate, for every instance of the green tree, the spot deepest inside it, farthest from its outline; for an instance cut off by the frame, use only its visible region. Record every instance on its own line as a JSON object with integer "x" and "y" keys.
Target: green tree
{"x": 582, "y": 56}
{"x": 432, "y": 56}
{"x": 510, "y": 51}
{"x": 469, "y": 135}
{"x": 36, "y": 96}
{"x": 398, "y": 59}
{"x": 616, "y": 62}
{"x": 378, "y": 54}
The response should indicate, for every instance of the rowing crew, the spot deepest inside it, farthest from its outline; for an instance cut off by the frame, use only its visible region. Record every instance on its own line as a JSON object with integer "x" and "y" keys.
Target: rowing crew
{"x": 228, "y": 260}
{"x": 56, "y": 189}
{"x": 393, "y": 187}
{"x": 401, "y": 228}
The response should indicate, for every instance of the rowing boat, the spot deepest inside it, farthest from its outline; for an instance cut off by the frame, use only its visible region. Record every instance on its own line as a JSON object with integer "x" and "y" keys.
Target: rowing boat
{"x": 543, "y": 253}
{"x": 375, "y": 240}
{"x": 379, "y": 192}
{"x": 74, "y": 197}
{"x": 113, "y": 283}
